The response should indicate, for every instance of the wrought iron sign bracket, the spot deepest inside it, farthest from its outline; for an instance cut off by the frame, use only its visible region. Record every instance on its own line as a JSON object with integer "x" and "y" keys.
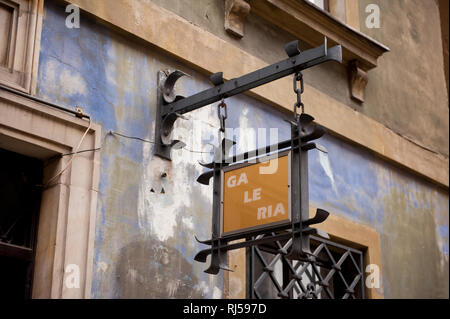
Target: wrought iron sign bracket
{"x": 303, "y": 131}
{"x": 171, "y": 106}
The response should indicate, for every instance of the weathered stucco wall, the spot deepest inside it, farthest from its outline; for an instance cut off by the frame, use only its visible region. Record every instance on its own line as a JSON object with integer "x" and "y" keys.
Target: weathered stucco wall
{"x": 264, "y": 41}
{"x": 406, "y": 92}
{"x": 144, "y": 243}
{"x": 145, "y": 240}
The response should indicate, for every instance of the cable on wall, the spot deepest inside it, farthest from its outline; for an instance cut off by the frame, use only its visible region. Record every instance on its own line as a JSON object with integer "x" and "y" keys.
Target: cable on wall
{"x": 133, "y": 138}
{"x": 46, "y": 185}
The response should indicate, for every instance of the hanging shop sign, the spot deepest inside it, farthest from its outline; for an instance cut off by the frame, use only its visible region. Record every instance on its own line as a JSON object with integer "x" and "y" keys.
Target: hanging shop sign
{"x": 246, "y": 203}
{"x": 255, "y": 197}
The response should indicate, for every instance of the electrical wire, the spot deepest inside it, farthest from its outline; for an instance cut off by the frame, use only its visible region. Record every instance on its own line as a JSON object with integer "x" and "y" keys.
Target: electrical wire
{"x": 77, "y": 151}
{"x": 73, "y": 154}
{"x": 153, "y": 142}
{"x": 198, "y": 152}
{"x": 83, "y": 151}
{"x": 135, "y": 138}
{"x": 47, "y": 184}
{"x": 130, "y": 137}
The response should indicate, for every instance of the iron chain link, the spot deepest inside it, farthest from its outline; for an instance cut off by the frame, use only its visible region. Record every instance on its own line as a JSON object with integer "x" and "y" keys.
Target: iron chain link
{"x": 298, "y": 78}
{"x": 222, "y": 115}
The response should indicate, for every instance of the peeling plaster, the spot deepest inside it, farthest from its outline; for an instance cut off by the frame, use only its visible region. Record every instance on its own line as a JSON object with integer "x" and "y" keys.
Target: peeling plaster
{"x": 72, "y": 83}
{"x": 217, "y": 293}
{"x": 102, "y": 266}
{"x": 144, "y": 243}
{"x": 325, "y": 163}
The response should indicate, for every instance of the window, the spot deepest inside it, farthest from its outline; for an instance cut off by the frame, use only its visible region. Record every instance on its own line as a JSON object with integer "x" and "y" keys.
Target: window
{"x": 19, "y": 45}
{"x": 65, "y": 230}
{"x": 7, "y": 18}
{"x": 336, "y": 273}
{"x": 353, "y": 248}
{"x": 20, "y": 196}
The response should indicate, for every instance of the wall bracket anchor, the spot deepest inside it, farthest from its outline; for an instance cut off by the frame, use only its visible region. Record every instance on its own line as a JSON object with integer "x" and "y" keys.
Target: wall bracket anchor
{"x": 170, "y": 106}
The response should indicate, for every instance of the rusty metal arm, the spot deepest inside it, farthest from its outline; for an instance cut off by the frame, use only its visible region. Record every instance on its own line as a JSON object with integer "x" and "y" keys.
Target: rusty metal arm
{"x": 299, "y": 62}
{"x": 170, "y": 106}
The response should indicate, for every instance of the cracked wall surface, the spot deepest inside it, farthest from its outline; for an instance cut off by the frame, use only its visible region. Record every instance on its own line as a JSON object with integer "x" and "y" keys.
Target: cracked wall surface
{"x": 144, "y": 243}
{"x": 406, "y": 92}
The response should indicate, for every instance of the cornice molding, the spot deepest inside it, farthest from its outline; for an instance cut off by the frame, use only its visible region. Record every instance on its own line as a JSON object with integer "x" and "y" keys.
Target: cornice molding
{"x": 235, "y": 13}
{"x": 310, "y": 24}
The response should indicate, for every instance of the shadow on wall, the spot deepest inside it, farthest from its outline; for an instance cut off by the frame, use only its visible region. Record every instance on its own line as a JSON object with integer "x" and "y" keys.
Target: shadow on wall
{"x": 150, "y": 269}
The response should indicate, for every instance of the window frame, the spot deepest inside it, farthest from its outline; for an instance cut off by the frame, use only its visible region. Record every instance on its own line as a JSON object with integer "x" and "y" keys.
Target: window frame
{"x": 341, "y": 230}
{"x": 66, "y": 226}
{"x": 20, "y": 73}
{"x": 285, "y": 273}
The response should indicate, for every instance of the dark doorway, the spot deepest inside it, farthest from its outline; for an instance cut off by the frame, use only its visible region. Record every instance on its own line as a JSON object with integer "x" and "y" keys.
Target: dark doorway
{"x": 20, "y": 197}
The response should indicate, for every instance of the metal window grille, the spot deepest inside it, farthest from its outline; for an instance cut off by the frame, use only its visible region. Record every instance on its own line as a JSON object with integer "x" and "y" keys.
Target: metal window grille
{"x": 334, "y": 271}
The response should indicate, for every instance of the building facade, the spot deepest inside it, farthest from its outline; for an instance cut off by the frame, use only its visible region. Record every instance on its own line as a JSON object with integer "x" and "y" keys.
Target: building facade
{"x": 102, "y": 217}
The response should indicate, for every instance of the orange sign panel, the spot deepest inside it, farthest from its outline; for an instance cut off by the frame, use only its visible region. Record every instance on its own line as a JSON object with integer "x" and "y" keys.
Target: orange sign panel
{"x": 251, "y": 199}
